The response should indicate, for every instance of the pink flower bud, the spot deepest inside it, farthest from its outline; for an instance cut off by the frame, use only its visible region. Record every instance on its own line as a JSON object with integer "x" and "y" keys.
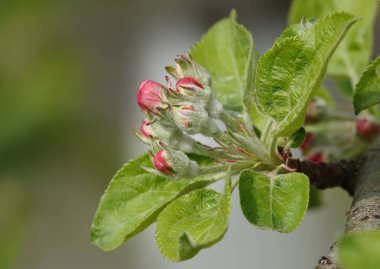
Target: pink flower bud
{"x": 187, "y": 85}
{"x": 146, "y": 129}
{"x": 150, "y": 96}
{"x": 367, "y": 129}
{"x": 160, "y": 161}
{"x": 317, "y": 157}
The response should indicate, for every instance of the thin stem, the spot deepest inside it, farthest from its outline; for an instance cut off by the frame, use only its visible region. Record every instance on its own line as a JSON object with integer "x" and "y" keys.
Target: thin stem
{"x": 273, "y": 149}
{"x": 264, "y": 135}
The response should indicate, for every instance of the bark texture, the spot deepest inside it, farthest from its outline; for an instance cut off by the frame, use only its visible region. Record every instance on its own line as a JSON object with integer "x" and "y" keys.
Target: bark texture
{"x": 328, "y": 175}
{"x": 364, "y": 214}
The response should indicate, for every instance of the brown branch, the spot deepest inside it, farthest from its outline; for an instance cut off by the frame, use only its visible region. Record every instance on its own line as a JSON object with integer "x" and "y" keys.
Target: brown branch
{"x": 328, "y": 175}
{"x": 364, "y": 214}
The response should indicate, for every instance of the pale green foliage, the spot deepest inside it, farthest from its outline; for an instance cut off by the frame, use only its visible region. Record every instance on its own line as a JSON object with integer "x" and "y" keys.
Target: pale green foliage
{"x": 289, "y": 73}
{"x": 354, "y": 52}
{"x": 194, "y": 221}
{"x": 229, "y": 55}
{"x": 360, "y": 250}
{"x": 133, "y": 200}
{"x": 367, "y": 91}
{"x": 274, "y": 202}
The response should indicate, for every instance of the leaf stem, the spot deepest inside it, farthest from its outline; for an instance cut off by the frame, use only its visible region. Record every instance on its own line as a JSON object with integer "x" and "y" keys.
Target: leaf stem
{"x": 264, "y": 135}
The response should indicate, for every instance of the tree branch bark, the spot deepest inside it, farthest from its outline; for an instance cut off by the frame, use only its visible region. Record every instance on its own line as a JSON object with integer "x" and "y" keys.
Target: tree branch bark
{"x": 364, "y": 214}
{"x": 328, "y": 175}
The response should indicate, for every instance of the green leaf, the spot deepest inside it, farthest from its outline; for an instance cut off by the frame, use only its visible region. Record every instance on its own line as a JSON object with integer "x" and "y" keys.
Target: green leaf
{"x": 229, "y": 55}
{"x": 354, "y": 52}
{"x": 277, "y": 203}
{"x": 367, "y": 91}
{"x": 289, "y": 73}
{"x": 297, "y": 138}
{"x": 194, "y": 221}
{"x": 133, "y": 200}
{"x": 360, "y": 250}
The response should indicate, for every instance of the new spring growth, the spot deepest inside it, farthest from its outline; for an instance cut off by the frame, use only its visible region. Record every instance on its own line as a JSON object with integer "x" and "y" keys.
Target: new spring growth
{"x": 190, "y": 108}
{"x": 169, "y": 161}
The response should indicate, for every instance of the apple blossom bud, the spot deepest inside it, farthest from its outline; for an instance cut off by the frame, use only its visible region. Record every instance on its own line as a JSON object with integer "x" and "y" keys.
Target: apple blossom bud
{"x": 317, "y": 157}
{"x": 150, "y": 96}
{"x": 190, "y": 118}
{"x": 161, "y": 163}
{"x": 367, "y": 129}
{"x": 169, "y": 161}
{"x": 188, "y": 85}
{"x": 146, "y": 129}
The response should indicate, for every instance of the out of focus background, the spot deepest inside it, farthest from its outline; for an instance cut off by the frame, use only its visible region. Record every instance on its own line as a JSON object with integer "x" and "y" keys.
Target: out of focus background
{"x": 69, "y": 72}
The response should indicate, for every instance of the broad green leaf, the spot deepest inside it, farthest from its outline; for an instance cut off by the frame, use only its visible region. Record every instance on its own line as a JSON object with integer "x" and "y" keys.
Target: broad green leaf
{"x": 229, "y": 55}
{"x": 133, "y": 200}
{"x": 277, "y": 203}
{"x": 292, "y": 70}
{"x": 354, "y": 52}
{"x": 194, "y": 221}
{"x": 360, "y": 250}
{"x": 367, "y": 91}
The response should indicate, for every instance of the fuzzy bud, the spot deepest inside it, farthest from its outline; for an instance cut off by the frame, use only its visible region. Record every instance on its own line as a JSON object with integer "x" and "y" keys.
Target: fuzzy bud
{"x": 188, "y": 85}
{"x": 193, "y": 119}
{"x": 160, "y": 161}
{"x": 169, "y": 161}
{"x": 367, "y": 129}
{"x": 150, "y": 96}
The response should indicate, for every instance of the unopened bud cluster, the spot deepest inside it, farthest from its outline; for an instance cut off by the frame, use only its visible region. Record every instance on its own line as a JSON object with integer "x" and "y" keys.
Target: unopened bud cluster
{"x": 176, "y": 113}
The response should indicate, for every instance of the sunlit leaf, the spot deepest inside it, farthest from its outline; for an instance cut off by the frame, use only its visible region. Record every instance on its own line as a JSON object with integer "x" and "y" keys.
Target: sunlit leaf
{"x": 354, "y": 52}
{"x": 229, "y": 55}
{"x": 194, "y": 221}
{"x": 292, "y": 70}
{"x": 276, "y": 203}
{"x": 367, "y": 91}
{"x": 133, "y": 200}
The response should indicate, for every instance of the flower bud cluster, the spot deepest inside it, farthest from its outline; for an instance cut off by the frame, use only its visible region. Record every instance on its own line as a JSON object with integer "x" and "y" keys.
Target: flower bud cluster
{"x": 176, "y": 113}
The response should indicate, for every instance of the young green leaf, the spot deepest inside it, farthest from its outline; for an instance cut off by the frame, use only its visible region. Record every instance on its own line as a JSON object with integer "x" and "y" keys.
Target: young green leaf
{"x": 133, "y": 200}
{"x": 194, "y": 221}
{"x": 355, "y": 50}
{"x": 289, "y": 73}
{"x": 277, "y": 203}
{"x": 229, "y": 55}
{"x": 297, "y": 138}
{"x": 360, "y": 250}
{"x": 367, "y": 91}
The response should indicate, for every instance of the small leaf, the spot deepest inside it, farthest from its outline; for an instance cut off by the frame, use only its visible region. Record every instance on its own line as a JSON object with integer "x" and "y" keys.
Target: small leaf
{"x": 277, "y": 203}
{"x": 133, "y": 200}
{"x": 229, "y": 55}
{"x": 290, "y": 72}
{"x": 297, "y": 138}
{"x": 194, "y": 221}
{"x": 360, "y": 250}
{"x": 367, "y": 91}
{"x": 355, "y": 50}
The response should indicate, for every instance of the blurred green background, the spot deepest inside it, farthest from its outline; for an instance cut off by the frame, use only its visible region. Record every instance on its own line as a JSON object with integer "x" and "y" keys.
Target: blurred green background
{"x": 69, "y": 71}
